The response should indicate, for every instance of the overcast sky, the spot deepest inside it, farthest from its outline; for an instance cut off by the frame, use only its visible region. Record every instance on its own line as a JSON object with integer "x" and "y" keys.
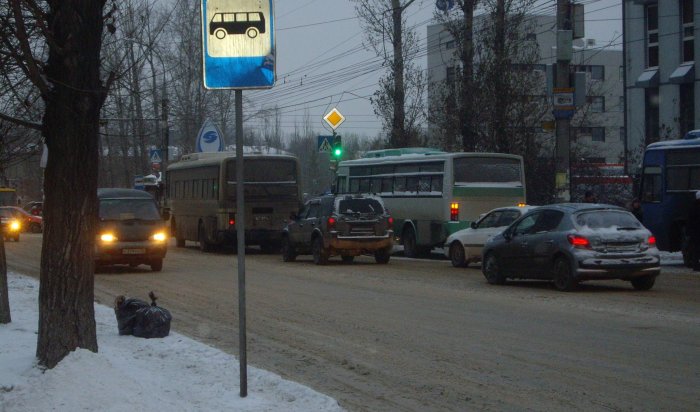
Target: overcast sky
{"x": 321, "y": 61}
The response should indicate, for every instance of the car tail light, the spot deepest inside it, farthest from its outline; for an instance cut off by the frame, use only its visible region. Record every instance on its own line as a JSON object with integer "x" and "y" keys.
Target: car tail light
{"x": 390, "y": 222}
{"x": 232, "y": 219}
{"x": 331, "y": 222}
{"x": 651, "y": 241}
{"x": 579, "y": 241}
{"x": 454, "y": 211}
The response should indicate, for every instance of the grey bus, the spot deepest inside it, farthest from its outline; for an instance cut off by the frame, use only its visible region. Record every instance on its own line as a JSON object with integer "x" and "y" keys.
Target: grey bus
{"x": 202, "y": 198}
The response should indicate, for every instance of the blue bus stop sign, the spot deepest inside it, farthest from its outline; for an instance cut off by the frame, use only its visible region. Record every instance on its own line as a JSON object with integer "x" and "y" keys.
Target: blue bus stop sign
{"x": 238, "y": 44}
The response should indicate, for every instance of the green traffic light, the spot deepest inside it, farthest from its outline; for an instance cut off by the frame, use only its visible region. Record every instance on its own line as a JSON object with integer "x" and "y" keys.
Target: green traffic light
{"x": 337, "y": 152}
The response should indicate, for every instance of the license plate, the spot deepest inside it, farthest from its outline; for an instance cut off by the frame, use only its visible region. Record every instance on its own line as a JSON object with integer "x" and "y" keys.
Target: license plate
{"x": 133, "y": 251}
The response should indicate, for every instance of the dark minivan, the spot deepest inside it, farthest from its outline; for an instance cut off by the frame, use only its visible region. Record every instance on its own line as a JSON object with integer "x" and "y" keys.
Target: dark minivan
{"x": 131, "y": 229}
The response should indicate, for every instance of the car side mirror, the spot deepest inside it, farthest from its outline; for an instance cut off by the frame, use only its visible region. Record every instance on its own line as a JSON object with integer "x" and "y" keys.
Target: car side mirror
{"x": 473, "y": 225}
{"x": 166, "y": 215}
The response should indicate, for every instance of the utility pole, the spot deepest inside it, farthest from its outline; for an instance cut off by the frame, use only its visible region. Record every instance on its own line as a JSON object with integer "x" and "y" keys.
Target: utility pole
{"x": 563, "y": 85}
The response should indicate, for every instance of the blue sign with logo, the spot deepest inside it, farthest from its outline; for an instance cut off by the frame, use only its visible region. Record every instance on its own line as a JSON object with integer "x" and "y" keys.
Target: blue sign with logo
{"x": 238, "y": 44}
{"x": 210, "y": 138}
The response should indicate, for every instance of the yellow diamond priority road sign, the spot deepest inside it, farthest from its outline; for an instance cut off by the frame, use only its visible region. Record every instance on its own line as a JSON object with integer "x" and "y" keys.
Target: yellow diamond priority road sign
{"x": 334, "y": 118}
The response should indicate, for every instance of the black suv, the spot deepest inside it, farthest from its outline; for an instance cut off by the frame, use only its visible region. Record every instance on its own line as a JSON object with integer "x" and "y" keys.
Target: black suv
{"x": 345, "y": 225}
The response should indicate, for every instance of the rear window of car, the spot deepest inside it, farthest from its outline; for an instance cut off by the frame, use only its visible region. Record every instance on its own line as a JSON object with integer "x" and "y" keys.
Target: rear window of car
{"x": 128, "y": 209}
{"x": 362, "y": 205}
{"x": 602, "y": 219}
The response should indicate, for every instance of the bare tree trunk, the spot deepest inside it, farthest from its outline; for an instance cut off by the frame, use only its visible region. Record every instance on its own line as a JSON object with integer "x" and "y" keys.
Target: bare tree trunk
{"x": 4, "y": 289}
{"x": 467, "y": 108}
{"x": 70, "y": 127}
{"x": 398, "y": 132}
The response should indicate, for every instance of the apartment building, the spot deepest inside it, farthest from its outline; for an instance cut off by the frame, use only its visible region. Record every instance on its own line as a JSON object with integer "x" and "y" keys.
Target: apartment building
{"x": 663, "y": 93}
{"x": 597, "y": 128}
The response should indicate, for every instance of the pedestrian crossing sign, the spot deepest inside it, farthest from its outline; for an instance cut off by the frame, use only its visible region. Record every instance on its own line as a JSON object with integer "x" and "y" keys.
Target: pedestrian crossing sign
{"x": 325, "y": 144}
{"x": 155, "y": 156}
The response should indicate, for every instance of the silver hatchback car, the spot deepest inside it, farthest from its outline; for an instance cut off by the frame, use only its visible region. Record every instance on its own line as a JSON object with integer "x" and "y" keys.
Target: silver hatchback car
{"x": 572, "y": 242}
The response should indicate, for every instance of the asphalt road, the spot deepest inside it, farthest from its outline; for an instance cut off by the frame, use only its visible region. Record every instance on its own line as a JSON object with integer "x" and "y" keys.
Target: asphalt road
{"x": 421, "y": 335}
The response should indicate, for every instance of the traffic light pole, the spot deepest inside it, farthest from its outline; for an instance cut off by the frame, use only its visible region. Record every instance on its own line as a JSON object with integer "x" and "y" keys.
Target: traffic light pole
{"x": 240, "y": 237}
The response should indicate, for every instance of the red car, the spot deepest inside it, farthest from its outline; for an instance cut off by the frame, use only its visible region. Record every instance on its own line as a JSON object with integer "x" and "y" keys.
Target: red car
{"x": 29, "y": 221}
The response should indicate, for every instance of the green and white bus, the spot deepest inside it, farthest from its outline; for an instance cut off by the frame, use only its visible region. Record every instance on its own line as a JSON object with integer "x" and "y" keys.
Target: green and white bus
{"x": 202, "y": 198}
{"x": 432, "y": 194}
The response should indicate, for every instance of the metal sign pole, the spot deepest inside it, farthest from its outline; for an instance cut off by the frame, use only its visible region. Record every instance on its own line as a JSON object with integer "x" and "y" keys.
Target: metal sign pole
{"x": 240, "y": 237}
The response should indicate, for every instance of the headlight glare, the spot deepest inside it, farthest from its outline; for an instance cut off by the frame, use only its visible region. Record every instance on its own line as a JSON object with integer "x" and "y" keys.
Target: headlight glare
{"x": 159, "y": 237}
{"x": 14, "y": 226}
{"x": 107, "y": 238}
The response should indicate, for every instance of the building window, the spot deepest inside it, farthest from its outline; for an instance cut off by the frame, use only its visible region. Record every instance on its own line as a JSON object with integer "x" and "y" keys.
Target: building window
{"x": 596, "y": 71}
{"x": 687, "y": 118}
{"x": 450, "y": 75}
{"x": 598, "y": 134}
{"x": 651, "y": 109}
{"x": 596, "y": 103}
{"x": 621, "y": 105}
{"x": 450, "y": 44}
{"x": 652, "y": 35}
{"x": 622, "y": 73}
{"x": 687, "y": 20}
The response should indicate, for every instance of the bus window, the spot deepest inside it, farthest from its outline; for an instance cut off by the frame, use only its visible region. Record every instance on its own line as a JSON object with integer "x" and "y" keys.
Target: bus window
{"x": 436, "y": 184}
{"x": 651, "y": 184}
{"x": 364, "y": 185}
{"x": 387, "y": 185}
{"x": 424, "y": 184}
{"x": 355, "y": 186}
{"x": 375, "y": 185}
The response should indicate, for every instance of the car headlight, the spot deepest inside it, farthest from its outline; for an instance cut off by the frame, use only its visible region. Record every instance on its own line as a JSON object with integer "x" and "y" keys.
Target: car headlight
{"x": 14, "y": 226}
{"x": 107, "y": 238}
{"x": 159, "y": 237}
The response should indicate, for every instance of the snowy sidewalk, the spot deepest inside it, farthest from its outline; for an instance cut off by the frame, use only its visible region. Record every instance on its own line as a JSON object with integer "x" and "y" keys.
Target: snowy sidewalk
{"x": 171, "y": 374}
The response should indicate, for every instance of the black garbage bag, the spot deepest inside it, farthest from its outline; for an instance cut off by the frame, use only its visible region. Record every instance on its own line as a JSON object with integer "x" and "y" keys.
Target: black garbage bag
{"x": 152, "y": 321}
{"x": 126, "y": 309}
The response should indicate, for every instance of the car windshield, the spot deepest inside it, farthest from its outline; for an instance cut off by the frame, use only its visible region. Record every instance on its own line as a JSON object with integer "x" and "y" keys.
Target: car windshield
{"x": 353, "y": 206}
{"x": 128, "y": 209}
{"x": 605, "y": 219}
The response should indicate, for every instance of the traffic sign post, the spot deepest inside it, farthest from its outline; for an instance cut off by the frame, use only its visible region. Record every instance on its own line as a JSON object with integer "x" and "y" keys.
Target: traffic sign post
{"x": 238, "y": 44}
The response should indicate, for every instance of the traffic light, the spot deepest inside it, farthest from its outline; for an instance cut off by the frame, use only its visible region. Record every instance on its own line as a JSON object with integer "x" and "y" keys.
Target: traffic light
{"x": 337, "y": 148}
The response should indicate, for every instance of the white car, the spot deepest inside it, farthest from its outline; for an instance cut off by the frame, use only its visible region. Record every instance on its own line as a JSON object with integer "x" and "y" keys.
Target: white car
{"x": 464, "y": 246}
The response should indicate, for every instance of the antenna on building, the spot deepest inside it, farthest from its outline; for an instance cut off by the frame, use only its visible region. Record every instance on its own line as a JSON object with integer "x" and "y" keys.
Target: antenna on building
{"x": 590, "y": 42}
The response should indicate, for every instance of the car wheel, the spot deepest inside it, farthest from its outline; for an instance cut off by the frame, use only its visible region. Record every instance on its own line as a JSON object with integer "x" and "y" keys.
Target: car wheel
{"x": 288, "y": 253}
{"x": 687, "y": 251}
{"x": 204, "y": 245}
{"x": 457, "y": 255}
{"x": 16, "y": 238}
{"x": 492, "y": 270}
{"x": 382, "y": 256}
{"x": 35, "y": 228}
{"x": 319, "y": 252}
{"x": 563, "y": 276}
{"x": 157, "y": 265}
{"x": 644, "y": 282}
{"x": 347, "y": 258}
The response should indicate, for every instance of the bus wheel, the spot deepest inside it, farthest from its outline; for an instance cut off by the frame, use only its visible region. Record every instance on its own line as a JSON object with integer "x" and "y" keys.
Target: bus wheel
{"x": 410, "y": 249}
{"x": 204, "y": 245}
{"x": 252, "y": 32}
{"x": 220, "y": 33}
{"x": 288, "y": 253}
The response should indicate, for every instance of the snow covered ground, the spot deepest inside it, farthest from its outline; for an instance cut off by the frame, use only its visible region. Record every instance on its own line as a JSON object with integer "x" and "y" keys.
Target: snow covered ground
{"x": 171, "y": 374}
